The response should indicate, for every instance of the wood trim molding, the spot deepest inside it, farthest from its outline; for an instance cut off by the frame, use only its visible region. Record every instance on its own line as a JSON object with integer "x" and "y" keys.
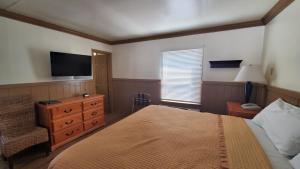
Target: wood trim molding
{"x": 231, "y": 83}
{"x": 50, "y": 90}
{"x": 109, "y": 75}
{"x": 49, "y": 25}
{"x": 196, "y": 107}
{"x": 126, "y": 89}
{"x": 215, "y": 94}
{"x": 275, "y": 10}
{"x": 279, "y": 7}
{"x": 56, "y": 82}
{"x": 136, "y": 80}
{"x": 193, "y": 32}
{"x": 273, "y": 93}
{"x": 282, "y": 91}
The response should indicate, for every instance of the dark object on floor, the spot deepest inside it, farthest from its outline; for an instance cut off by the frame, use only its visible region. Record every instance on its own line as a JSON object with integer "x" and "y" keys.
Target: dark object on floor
{"x": 18, "y": 126}
{"x": 140, "y": 101}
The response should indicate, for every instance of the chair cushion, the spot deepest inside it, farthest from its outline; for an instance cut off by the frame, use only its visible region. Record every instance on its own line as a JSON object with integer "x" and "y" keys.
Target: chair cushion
{"x": 13, "y": 145}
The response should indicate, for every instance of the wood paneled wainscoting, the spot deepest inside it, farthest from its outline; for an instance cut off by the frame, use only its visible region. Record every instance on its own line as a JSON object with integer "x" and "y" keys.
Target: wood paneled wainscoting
{"x": 50, "y": 90}
{"x": 125, "y": 89}
{"x": 289, "y": 96}
{"x": 214, "y": 95}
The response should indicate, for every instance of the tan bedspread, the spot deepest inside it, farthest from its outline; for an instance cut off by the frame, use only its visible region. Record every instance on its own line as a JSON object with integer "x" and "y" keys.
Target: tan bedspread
{"x": 163, "y": 137}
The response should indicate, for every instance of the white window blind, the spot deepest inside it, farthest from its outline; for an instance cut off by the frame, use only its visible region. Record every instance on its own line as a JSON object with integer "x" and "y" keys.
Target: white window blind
{"x": 182, "y": 75}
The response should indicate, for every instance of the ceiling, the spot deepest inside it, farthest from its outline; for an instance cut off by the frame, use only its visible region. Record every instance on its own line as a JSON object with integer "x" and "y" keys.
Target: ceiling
{"x": 124, "y": 19}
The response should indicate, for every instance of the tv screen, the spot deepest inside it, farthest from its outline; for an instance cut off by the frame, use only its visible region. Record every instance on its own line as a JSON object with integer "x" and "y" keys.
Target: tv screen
{"x": 66, "y": 64}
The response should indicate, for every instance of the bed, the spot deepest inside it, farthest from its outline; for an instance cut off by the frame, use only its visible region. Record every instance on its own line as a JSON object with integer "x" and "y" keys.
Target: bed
{"x": 164, "y": 137}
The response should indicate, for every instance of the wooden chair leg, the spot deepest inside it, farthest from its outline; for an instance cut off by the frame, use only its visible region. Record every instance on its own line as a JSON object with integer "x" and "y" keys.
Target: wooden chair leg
{"x": 10, "y": 162}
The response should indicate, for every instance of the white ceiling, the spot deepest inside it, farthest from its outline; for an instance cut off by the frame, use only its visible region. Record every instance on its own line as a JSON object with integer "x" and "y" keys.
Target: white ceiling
{"x": 123, "y": 19}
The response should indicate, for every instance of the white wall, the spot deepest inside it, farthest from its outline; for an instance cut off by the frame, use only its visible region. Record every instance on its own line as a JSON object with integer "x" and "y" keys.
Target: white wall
{"x": 141, "y": 60}
{"x": 282, "y": 48}
{"x": 24, "y": 50}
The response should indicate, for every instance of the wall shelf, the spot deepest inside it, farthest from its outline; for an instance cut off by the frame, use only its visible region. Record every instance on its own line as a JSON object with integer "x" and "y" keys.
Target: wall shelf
{"x": 225, "y": 64}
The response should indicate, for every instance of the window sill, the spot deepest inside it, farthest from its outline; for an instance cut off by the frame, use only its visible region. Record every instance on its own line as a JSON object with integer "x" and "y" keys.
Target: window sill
{"x": 179, "y": 104}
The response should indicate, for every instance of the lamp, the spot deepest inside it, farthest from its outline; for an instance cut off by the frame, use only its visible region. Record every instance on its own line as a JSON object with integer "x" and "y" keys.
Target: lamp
{"x": 249, "y": 74}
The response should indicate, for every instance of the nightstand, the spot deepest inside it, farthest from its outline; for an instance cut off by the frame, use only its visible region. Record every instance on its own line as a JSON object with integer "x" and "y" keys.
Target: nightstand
{"x": 235, "y": 109}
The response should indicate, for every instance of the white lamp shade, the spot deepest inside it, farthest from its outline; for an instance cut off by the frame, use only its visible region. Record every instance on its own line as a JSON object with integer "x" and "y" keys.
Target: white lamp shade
{"x": 251, "y": 73}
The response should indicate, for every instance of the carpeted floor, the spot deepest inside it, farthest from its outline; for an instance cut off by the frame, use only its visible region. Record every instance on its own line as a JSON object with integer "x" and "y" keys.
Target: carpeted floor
{"x": 35, "y": 158}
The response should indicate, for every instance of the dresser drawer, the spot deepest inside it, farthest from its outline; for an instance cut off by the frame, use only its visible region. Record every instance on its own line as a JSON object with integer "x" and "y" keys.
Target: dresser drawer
{"x": 95, "y": 122}
{"x": 92, "y": 113}
{"x": 67, "y": 133}
{"x": 93, "y": 104}
{"x": 66, "y": 110}
{"x": 66, "y": 122}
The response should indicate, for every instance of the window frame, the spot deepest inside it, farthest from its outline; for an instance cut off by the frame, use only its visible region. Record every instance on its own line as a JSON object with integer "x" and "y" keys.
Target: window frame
{"x": 201, "y": 80}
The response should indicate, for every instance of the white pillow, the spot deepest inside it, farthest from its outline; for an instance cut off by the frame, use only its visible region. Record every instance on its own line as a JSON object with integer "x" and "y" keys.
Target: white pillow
{"x": 276, "y": 106}
{"x": 296, "y": 162}
{"x": 281, "y": 121}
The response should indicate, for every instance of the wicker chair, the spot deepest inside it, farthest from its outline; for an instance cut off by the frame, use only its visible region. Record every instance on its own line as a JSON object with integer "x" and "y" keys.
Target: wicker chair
{"x": 18, "y": 130}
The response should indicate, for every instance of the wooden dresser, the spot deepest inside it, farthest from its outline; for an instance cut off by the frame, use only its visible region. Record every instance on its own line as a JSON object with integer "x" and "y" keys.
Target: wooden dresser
{"x": 71, "y": 118}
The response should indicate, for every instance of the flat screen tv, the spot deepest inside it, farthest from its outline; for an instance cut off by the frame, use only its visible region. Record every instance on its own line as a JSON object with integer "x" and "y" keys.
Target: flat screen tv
{"x": 66, "y": 64}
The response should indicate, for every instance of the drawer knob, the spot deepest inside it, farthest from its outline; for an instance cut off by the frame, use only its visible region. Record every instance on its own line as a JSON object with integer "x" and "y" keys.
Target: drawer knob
{"x": 94, "y": 123}
{"x": 94, "y": 104}
{"x": 69, "y": 122}
{"x": 94, "y": 113}
{"x": 68, "y": 111}
{"x": 69, "y": 134}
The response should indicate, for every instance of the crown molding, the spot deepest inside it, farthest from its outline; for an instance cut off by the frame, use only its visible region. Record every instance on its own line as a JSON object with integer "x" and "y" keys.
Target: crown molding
{"x": 193, "y": 32}
{"x": 274, "y": 11}
{"x": 49, "y": 25}
{"x": 277, "y": 8}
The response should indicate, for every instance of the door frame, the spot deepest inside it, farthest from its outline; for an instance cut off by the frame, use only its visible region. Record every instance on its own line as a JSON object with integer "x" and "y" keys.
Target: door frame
{"x": 109, "y": 75}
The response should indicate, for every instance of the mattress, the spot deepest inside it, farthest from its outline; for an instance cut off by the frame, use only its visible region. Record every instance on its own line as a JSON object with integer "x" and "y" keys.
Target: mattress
{"x": 163, "y": 137}
{"x": 277, "y": 160}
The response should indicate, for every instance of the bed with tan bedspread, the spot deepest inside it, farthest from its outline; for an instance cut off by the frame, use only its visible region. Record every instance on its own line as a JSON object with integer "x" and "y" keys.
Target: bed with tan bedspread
{"x": 163, "y": 137}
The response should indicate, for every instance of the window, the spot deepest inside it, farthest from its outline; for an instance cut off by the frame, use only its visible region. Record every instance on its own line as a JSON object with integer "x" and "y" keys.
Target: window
{"x": 182, "y": 75}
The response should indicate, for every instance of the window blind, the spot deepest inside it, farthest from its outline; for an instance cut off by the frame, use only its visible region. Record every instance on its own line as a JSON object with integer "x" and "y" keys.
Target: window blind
{"x": 182, "y": 75}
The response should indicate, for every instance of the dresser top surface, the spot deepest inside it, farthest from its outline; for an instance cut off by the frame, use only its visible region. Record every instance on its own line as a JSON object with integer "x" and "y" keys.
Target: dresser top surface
{"x": 71, "y": 100}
